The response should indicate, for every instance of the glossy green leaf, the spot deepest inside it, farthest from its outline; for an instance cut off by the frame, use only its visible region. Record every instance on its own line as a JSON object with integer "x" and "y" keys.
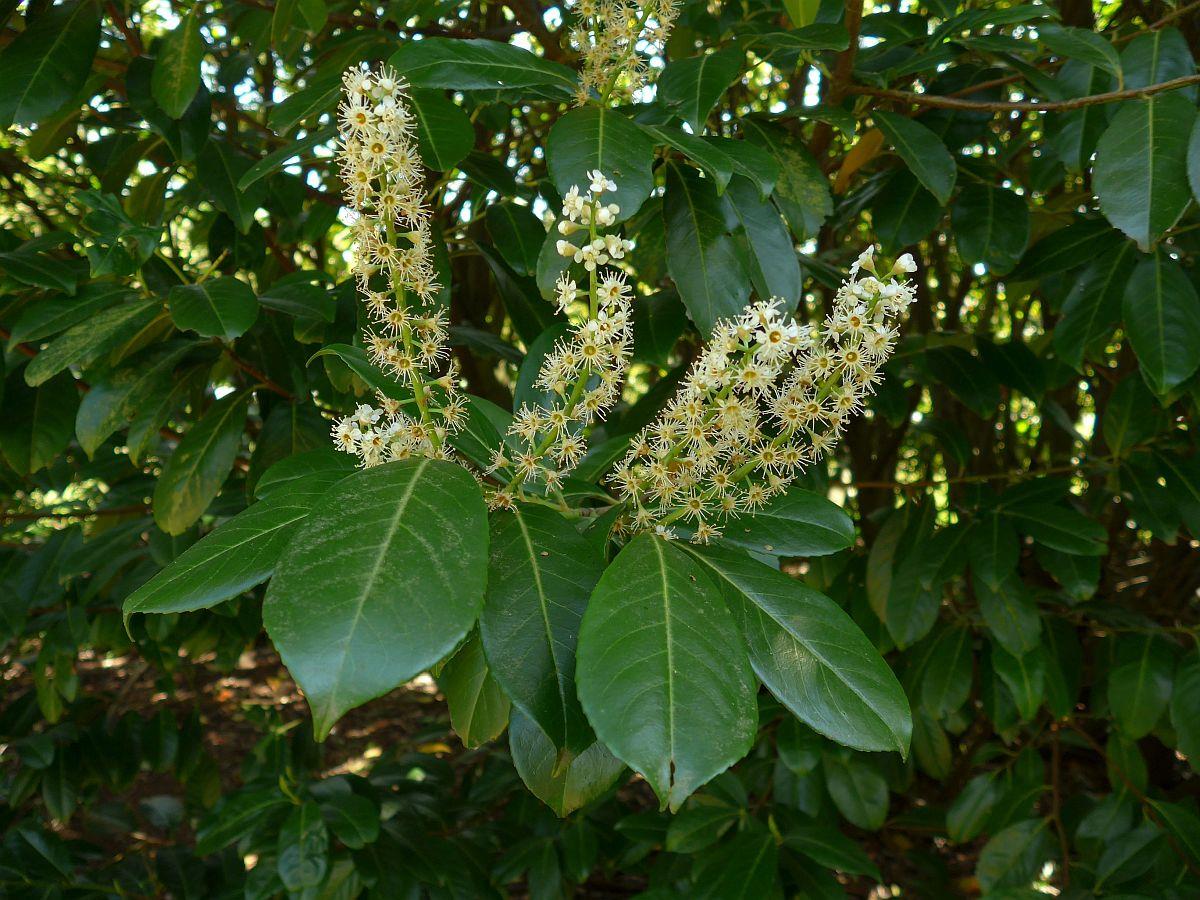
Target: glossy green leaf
{"x": 386, "y": 576}
{"x": 117, "y": 397}
{"x": 46, "y": 65}
{"x": 51, "y": 315}
{"x": 540, "y": 576}
{"x": 701, "y": 256}
{"x": 222, "y": 307}
{"x": 592, "y": 137}
{"x": 743, "y": 869}
{"x": 969, "y": 812}
{"x": 1131, "y": 416}
{"x": 478, "y": 706}
{"x": 1185, "y": 709}
{"x": 801, "y": 190}
{"x": 1009, "y": 612}
{"x": 774, "y": 269}
{"x": 698, "y": 827}
{"x": 176, "y": 77}
{"x": 1140, "y": 176}
{"x": 857, "y": 789}
{"x": 1013, "y": 857}
{"x": 353, "y": 819}
{"x": 475, "y": 64}
{"x": 1162, "y": 316}
{"x": 716, "y": 163}
{"x": 693, "y": 85}
{"x": 37, "y": 423}
{"x": 234, "y": 557}
{"x": 303, "y": 848}
{"x": 1093, "y": 306}
{"x": 196, "y": 470}
{"x": 1081, "y": 44}
{"x": 811, "y": 655}
{"x": 946, "y": 681}
{"x": 585, "y": 777}
{"x": 287, "y": 155}
{"x": 922, "y": 151}
{"x": 1139, "y": 685}
{"x": 991, "y": 226}
{"x": 220, "y": 170}
{"x": 831, "y": 849}
{"x": 517, "y": 233}
{"x": 443, "y": 130}
{"x": 236, "y": 816}
{"x": 1024, "y": 676}
{"x": 676, "y": 703}
{"x": 796, "y": 523}
{"x": 1060, "y": 528}
{"x": 83, "y": 343}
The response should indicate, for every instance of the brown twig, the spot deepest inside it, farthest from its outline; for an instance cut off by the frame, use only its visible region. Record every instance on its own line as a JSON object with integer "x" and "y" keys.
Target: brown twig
{"x": 132, "y": 38}
{"x": 258, "y": 376}
{"x": 939, "y": 102}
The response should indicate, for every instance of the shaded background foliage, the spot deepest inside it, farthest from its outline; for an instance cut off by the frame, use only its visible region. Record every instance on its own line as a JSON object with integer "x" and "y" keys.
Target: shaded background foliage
{"x": 1026, "y": 484}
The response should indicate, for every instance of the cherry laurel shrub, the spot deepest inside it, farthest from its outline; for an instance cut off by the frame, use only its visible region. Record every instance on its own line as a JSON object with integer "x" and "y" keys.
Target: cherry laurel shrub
{"x": 652, "y": 660}
{"x": 599, "y": 448}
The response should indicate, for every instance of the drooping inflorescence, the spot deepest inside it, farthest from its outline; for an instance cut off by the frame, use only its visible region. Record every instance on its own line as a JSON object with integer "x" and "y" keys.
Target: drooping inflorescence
{"x": 766, "y": 399}
{"x": 582, "y": 375}
{"x": 613, "y": 37}
{"x": 393, "y": 265}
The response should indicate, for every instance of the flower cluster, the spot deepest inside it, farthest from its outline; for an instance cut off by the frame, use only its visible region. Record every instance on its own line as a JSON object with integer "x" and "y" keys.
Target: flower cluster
{"x": 608, "y": 36}
{"x": 583, "y": 373}
{"x": 766, "y": 399}
{"x": 393, "y": 264}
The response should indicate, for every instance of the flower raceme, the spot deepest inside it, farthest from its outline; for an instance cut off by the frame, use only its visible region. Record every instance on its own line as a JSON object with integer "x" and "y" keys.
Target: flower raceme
{"x": 608, "y": 37}
{"x": 584, "y": 371}
{"x": 767, "y": 398}
{"x": 393, "y": 265}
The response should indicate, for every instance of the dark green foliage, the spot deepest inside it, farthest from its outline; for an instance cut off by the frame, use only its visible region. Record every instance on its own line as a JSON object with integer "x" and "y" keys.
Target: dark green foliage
{"x": 960, "y": 657}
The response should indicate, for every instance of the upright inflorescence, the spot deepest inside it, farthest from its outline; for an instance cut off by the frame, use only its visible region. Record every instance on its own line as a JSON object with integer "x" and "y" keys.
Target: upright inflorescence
{"x": 393, "y": 265}
{"x": 614, "y": 38}
{"x": 766, "y": 399}
{"x": 582, "y": 375}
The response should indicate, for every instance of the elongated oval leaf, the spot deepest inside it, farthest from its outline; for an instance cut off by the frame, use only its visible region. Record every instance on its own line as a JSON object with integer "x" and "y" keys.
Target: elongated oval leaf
{"x": 382, "y": 581}
{"x": 774, "y": 268}
{"x": 47, "y": 64}
{"x": 223, "y": 307}
{"x": 592, "y": 137}
{"x": 585, "y": 777}
{"x": 84, "y": 342}
{"x": 1162, "y": 315}
{"x": 663, "y": 675}
{"x": 540, "y": 576}
{"x": 1140, "y": 176}
{"x": 811, "y": 655}
{"x": 443, "y": 130}
{"x": 701, "y": 256}
{"x": 233, "y": 558}
{"x": 176, "y": 76}
{"x": 922, "y": 151}
{"x": 991, "y": 226}
{"x": 693, "y": 85}
{"x": 478, "y": 706}
{"x": 477, "y": 64}
{"x": 797, "y": 523}
{"x": 197, "y": 469}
